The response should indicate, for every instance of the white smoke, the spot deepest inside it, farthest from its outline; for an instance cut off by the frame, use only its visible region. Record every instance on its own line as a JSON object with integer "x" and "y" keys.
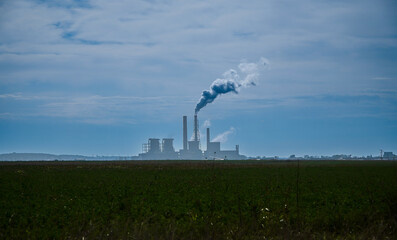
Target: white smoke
{"x": 224, "y": 136}
{"x": 231, "y": 81}
{"x": 206, "y": 123}
{"x": 252, "y": 71}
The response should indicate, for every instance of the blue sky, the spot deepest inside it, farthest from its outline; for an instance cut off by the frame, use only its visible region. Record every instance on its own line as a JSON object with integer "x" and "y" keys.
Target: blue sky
{"x": 100, "y": 77}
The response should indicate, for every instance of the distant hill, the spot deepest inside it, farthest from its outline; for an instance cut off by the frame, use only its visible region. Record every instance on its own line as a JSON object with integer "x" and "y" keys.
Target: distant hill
{"x": 38, "y": 157}
{"x": 52, "y": 157}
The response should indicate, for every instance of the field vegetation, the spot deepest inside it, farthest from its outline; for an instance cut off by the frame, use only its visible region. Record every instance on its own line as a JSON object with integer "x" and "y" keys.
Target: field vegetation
{"x": 198, "y": 200}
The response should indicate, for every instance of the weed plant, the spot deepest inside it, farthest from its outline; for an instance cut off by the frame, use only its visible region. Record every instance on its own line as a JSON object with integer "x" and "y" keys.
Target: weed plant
{"x": 198, "y": 200}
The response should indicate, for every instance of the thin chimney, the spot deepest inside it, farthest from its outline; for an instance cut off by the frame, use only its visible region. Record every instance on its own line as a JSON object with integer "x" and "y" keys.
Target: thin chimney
{"x": 196, "y": 137}
{"x": 208, "y": 137}
{"x": 185, "y": 133}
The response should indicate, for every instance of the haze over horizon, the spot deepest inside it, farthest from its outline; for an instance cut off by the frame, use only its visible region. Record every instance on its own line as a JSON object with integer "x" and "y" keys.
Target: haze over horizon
{"x": 100, "y": 77}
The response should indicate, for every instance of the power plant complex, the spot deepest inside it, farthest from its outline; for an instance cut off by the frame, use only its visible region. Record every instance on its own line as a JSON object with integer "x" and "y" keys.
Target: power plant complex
{"x": 154, "y": 150}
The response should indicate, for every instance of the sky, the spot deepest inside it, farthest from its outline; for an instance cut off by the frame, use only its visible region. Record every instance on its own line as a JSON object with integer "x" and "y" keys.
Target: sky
{"x": 101, "y": 77}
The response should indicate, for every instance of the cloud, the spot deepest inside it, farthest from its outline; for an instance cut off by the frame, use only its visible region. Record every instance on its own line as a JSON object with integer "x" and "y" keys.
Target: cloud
{"x": 142, "y": 48}
{"x": 6, "y": 115}
{"x": 223, "y": 137}
{"x": 94, "y": 109}
{"x": 10, "y": 95}
{"x": 382, "y": 78}
{"x": 119, "y": 109}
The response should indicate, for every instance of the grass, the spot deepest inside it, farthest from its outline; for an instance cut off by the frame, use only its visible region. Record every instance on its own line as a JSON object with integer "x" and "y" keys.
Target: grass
{"x": 198, "y": 200}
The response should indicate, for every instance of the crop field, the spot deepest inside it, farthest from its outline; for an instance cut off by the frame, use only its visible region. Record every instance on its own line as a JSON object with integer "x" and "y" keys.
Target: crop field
{"x": 198, "y": 200}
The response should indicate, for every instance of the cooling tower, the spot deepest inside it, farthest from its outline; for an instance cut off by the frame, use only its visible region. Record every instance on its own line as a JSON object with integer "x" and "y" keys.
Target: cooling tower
{"x": 154, "y": 145}
{"x": 168, "y": 145}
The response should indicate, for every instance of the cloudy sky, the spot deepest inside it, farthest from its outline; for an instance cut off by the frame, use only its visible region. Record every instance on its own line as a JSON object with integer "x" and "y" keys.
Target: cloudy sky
{"x": 100, "y": 77}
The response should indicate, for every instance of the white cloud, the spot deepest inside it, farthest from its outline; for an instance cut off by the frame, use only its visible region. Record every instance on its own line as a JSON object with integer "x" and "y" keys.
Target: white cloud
{"x": 174, "y": 48}
{"x": 381, "y": 78}
{"x": 93, "y": 108}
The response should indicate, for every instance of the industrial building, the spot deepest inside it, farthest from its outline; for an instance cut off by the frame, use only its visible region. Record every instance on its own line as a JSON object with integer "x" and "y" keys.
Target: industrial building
{"x": 153, "y": 150}
{"x": 389, "y": 156}
{"x": 214, "y": 151}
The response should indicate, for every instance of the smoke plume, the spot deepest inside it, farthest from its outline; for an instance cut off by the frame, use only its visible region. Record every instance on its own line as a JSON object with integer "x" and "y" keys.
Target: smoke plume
{"x": 231, "y": 82}
{"x": 223, "y": 136}
{"x": 207, "y": 123}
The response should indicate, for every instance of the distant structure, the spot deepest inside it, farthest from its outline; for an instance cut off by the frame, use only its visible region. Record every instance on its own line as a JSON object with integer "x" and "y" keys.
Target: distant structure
{"x": 214, "y": 151}
{"x": 389, "y": 156}
{"x": 152, "y": 150}
{"x": 193, "y": 151}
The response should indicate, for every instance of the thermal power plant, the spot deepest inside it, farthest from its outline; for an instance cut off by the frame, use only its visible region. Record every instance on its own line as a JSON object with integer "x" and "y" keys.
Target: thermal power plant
{"x": 152, "y": 150}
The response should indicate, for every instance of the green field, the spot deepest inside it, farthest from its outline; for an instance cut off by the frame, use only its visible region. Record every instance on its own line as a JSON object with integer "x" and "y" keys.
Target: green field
{"x": 198, "y": 200}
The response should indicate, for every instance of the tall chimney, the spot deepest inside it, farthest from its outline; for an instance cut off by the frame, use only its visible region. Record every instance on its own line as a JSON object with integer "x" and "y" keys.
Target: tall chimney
{"x": 184, "y": 133}
{"x": 196, "y": 138}
{"x": 208, "y": 137}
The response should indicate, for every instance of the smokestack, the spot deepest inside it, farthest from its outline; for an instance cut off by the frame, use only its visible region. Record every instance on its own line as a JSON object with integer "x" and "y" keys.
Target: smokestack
{"x": 208, "y": 137}
{"x": 196, "y": 138}
{"x": 185, "y": 133}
